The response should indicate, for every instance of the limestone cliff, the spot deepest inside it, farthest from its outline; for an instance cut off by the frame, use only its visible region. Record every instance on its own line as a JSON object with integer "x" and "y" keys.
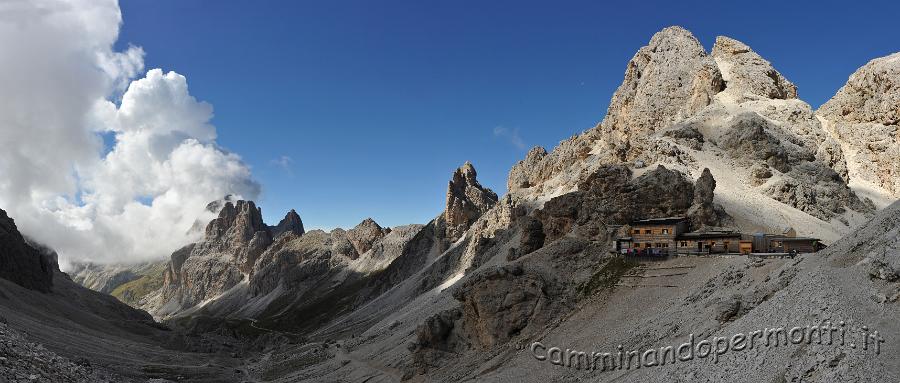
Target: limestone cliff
{"x": 865, "y": 117}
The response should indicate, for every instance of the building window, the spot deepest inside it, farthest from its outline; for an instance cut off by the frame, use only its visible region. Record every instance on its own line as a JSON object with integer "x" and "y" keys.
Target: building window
{"x": 665, "y": 231}
{"x": 648, "y": 231}
{"x": 683, "y": 244}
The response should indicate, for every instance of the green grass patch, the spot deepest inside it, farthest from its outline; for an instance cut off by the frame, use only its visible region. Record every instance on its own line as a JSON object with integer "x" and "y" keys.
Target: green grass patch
{"x": 150, "y": 281}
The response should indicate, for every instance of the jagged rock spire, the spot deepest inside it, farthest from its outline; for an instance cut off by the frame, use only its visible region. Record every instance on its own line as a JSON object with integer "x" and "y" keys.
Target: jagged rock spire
{"x": 239, "y": 230}
{"x": 291, "y": 223}
{"x": 236, "y": 222}
{"x": 466, "y": 201}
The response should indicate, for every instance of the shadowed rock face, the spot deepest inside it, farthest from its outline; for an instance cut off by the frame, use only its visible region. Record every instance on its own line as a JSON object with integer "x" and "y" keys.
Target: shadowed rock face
{"x": 610, "y": 197}
{"x": 290, "y": 223}
{"x": 20, "y": 262}
{"x": 466, "y": 201}
{"x": 499, "y": 304}
{"x": 748, "y": 137}
{"x": 704, "y": 212}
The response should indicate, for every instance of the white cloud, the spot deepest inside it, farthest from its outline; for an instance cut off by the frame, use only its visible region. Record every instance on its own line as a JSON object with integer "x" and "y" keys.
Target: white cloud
{"x": 59, "y": 71}
{"x": 510, "y": 135}
{"x": 285, "y": 163}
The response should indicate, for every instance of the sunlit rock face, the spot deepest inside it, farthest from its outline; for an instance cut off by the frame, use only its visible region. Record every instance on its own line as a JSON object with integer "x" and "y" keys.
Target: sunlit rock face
{"x": 865, "y": 116}
{"x": 466, "y": 201}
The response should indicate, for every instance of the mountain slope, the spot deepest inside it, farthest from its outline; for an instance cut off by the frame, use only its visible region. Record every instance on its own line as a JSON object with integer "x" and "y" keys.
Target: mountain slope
{"x": 65, "y": 332}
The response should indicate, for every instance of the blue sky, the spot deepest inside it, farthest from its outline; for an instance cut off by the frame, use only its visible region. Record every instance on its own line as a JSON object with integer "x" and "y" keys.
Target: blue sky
{"x": 355, "y": 109}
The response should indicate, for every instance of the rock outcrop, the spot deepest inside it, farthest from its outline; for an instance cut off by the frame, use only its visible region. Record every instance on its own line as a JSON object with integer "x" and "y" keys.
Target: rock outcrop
{"x": 533, "y": 237}
{"x": 21, "y": 262}
{"x": 704, "y": 212}
{"x": 865, "y": 116}
{"x": 466, "y": 201}
{"x": 365, "y": 234}
{"x": 497, "y": 305}
{"x": 290, "y": 223}
{"x": 748, "y": 137}
{"x": 747, "y": 75}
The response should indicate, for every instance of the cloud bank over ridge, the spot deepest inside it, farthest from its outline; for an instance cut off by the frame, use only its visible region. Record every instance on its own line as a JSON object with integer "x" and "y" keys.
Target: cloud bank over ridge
{"x": 65, "y": 87}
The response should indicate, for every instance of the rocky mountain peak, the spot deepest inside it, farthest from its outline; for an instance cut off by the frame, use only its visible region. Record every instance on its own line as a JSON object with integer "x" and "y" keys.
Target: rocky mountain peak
{"x": 237, "y": 222}
{"x": 465, "y": 174}
{"x": 365, "y": 234}
{"x": 290, "y": 223}
{"x": 669, "y": 79}
{"x": 747, "y": 75}
{"x": 466, "y": 201}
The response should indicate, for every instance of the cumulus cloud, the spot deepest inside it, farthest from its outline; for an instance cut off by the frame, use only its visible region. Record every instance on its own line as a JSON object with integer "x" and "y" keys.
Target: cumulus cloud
{"x": 510, "y": 135}
{"x": 133, "y": 202}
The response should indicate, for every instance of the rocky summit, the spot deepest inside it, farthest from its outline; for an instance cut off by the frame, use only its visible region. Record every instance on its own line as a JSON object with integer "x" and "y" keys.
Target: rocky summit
{"x": 291, "y": 223}
{"x": 569, "y": 276}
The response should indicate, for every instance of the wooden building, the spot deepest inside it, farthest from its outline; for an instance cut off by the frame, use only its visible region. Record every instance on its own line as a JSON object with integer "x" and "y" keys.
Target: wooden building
{"x": 669, "y": 235}
{"x": 779, "y": 243}
{"x": 710, "y": 241}
{"x": 655, "y": 235}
